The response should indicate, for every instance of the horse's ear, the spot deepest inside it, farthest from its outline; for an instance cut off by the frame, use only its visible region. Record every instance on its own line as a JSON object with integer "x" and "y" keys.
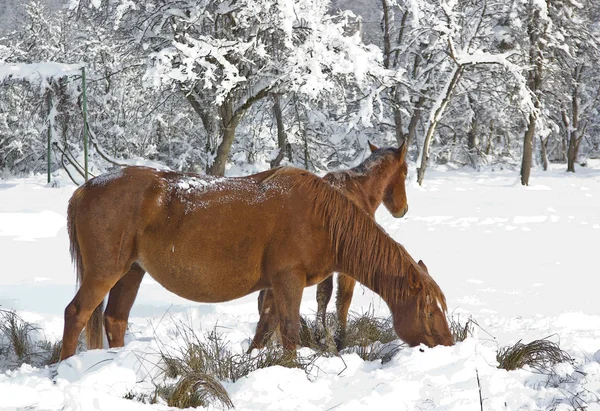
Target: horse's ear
{"x": 372, "y": 146}
{"x": 403, "y": 149}
{"x": 423, "y": 266}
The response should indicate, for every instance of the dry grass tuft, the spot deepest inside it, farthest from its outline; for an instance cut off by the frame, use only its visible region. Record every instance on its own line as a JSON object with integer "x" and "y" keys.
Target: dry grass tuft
{"x": 210, "y": 355}
{"x": 199, "y": 364}
{"x": 20, "y": 343}
{"x": 540, "y": 355}
{"x": 368, "y": 336}
{"x": 372, "y": 338}
{"x": 460, "y": 331}
{"x": 366, "y": 329}
{"x": 17, "y": 333}
{"x": 53, "y": 351}
{"x": 197, "y": 389}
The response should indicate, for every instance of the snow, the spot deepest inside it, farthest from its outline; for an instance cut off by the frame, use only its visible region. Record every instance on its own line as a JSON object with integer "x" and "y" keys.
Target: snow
{"x": 105, "y": 178}
{"x": 38, "y": 71}
{"x": 522, "y": 261}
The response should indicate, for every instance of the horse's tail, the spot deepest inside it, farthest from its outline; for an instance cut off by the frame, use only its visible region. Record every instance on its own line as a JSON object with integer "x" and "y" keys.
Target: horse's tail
{"x": 93, "y": 328}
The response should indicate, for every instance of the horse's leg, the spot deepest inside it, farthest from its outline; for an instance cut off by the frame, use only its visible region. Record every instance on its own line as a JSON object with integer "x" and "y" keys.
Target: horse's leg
{"x": 287, "y": 292}
{"x": 324, "y": 291}
{"x": 343, "y": 299}
{"x": 120, "y": 301}
{"x": 268, "y": 322}
{"x": 89, "y": 296}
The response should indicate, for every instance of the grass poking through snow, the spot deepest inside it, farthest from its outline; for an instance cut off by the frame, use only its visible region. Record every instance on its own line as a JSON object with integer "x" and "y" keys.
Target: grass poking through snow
{"x": 21, "y": 342}
{"x": 540, "y": 355}
{"x": 372, "y": 338}
{"x": 194, "y": 366}
{"x": 461, "y": 331}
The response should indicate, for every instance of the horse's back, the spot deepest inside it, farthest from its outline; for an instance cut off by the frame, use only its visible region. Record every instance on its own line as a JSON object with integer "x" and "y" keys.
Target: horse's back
{"x": 180, "y": 227}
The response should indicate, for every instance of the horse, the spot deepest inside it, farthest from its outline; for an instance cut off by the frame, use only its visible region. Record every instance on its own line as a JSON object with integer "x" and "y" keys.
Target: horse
{"x": 211, "y": 239}
{"x": 380, "y": 178}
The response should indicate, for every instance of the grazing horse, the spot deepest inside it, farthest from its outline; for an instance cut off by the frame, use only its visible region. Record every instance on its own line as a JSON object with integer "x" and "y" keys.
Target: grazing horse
{"x": 212, "y": 239}
{"x": 380, "y": 178}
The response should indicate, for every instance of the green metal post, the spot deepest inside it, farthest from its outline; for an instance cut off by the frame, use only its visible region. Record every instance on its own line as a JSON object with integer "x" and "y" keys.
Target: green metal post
{"x": 49, "y": 143}
{"x": 85, "y": 138}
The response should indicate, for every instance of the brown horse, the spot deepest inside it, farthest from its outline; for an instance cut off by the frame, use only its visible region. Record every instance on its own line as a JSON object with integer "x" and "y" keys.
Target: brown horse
{"x": 217, "y": 239}
{"x": 380, "y": 178}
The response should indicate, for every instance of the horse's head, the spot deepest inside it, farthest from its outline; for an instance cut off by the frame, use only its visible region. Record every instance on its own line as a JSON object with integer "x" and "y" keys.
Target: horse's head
{"x": 394, "y": 197}
{"x": 419, "y": 320}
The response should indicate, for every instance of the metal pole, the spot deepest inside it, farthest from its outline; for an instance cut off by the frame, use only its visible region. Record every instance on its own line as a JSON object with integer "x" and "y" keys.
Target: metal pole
{"x": 48, "y": 165}
{"x": 85, "y": 138}
{"x": 49, "y": 143}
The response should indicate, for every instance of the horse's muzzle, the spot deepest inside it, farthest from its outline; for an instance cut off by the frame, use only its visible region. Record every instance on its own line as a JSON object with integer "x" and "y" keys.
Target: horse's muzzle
{"x": 401, "y": 213}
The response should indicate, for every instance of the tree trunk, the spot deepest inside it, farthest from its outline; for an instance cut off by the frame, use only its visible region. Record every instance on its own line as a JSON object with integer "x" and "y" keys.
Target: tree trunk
{"x": 433, "y": 122}
{"x": 472, "y": 140}
{"x": 210, "y": 122}
{"x": 472, "y": 134}
{"x": 230, "y": 122}
{"x": 398, "y": 124}
{"x": 386, "y": 33}
{"x": 563, "y": 149}
{"x": 574, "y": 138}
{"x": 387, "y": 49}
{"x": 572, "y": 153}
{"x": 536, "y": 29}
{"x": 488, "y": 148}
{"x": 528, "y": 151}
{"x": 281, "y": 136}
{"x": 544, "y": 146}
{"x": 414, "y": 122}
{"x": 306, "y": 153}
{"x": 218, "y": 166}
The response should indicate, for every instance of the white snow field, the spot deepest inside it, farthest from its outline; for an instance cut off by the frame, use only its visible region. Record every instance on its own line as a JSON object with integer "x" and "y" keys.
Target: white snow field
{"x": 522, "y": 261}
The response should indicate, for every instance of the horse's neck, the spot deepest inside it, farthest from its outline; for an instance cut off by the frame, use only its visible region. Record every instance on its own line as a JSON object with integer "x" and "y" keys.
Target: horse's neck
{"x": 365, "y": 189}
{"x": 360, "y": 247}
{"x": 367, "y": 253}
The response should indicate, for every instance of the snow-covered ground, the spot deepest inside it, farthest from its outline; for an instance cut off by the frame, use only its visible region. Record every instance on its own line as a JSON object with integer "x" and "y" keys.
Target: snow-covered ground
{"x": 522, "y": 261}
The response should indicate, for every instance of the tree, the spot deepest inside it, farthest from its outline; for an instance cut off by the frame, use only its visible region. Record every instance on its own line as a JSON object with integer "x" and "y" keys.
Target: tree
{"x": 576, "y": 84}
{"x": 460, "y": 29}
{"x": 226, "y": 57}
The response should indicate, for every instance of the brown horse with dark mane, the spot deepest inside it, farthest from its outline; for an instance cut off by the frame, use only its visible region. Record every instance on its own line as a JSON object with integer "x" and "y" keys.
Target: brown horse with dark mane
{"x": 216, "y": 239}
{"x": 379, "y": 178}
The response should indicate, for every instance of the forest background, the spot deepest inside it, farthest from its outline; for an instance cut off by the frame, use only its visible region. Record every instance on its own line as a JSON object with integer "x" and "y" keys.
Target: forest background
{"x": 207, "y": 85}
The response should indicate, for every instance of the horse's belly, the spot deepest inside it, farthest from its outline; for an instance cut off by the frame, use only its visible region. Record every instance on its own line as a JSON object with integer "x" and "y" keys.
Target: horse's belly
{"x": 202, "y": 282}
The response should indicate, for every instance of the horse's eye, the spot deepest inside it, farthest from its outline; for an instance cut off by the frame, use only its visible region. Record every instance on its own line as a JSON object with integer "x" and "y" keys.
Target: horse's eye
{"x": 430, "y": 314}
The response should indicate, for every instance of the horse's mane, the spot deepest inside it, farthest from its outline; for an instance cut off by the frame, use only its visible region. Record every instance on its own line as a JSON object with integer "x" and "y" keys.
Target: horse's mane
{"x": 363, "y": 248}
